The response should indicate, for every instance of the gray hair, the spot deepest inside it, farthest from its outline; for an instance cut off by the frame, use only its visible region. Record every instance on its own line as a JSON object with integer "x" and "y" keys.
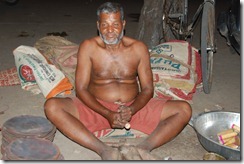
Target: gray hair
{"x": 110, "y": 7}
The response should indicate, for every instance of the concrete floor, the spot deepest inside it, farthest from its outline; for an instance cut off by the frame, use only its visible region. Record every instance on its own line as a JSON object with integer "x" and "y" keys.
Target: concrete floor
{"x": 78, "y": 19}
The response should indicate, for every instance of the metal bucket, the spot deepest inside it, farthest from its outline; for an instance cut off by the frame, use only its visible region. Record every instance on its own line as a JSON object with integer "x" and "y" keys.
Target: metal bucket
{"x": 207, "y": 125}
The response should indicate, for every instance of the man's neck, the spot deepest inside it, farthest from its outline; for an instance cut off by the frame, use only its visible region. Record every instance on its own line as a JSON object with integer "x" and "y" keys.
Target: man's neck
{"x": 113, "y": 47}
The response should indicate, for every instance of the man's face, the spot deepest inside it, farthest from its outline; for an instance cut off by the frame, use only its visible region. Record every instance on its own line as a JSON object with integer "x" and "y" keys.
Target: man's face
{"x": 111, "y": 28}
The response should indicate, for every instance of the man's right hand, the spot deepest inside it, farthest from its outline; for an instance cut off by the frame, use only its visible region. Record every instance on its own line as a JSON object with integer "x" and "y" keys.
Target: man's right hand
{"x": 125, "y": 113}
{"x": 115, "y": 120}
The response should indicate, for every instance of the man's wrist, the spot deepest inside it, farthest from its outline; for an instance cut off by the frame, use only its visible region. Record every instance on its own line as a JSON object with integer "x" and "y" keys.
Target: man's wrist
{"x": 106, "y": 113}
{"x": 131, "y": 109}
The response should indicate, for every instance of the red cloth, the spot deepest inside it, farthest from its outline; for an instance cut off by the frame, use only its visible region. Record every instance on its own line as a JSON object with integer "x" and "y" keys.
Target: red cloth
{"x": 9, "y": 77}
{"x": 144, "y": 120}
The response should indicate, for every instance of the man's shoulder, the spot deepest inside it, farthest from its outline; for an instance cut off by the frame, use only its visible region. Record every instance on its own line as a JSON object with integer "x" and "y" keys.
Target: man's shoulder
{"x": 90, "y": 42}
{"x": 133, "y": 42}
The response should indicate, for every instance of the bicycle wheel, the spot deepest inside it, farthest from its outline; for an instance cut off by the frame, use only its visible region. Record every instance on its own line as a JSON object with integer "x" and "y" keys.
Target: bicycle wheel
{"x": 207, "y": 45}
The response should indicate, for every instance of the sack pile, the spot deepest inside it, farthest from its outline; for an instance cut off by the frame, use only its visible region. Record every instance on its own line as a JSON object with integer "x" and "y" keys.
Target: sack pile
{"x": 49, "y": 67}
{"x": 176, "y": 68}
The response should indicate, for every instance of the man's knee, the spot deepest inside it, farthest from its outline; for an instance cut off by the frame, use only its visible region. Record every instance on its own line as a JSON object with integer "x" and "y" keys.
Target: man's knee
{"x": 51, "y": 105}
{"x": 186, "y": 109}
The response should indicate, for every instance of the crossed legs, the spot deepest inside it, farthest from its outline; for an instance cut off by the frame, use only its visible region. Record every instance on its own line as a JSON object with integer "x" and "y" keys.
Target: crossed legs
{"x": 64, "y": 115}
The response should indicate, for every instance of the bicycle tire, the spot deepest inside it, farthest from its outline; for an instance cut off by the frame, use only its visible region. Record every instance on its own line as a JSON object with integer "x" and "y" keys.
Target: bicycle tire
{"x": 207, "y": 45}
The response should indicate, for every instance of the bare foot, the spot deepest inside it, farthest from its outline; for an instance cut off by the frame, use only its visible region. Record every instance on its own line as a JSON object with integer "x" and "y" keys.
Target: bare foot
{"x": 146, "y": 155}
{"x": 129, "y": 152}
{"x": 111, "y": 154}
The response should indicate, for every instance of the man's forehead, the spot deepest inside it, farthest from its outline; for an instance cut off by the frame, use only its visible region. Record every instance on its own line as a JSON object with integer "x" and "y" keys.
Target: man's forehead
{"x": 111, "y": 16}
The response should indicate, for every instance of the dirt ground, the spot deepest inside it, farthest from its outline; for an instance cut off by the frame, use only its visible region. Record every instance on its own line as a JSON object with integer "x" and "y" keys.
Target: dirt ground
{"x": 27, "y": 22}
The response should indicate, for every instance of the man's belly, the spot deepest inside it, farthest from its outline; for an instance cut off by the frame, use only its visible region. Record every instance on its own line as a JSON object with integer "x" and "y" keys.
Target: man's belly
{"x": 115, "y": 91}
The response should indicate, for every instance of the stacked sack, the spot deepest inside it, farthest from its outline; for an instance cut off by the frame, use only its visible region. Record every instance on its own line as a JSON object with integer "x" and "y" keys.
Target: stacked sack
{"x": 176, "y": 68}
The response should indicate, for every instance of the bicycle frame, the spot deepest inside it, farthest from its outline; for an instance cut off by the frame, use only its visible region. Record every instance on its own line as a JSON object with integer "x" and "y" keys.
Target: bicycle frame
{"x": 183, "y": 30}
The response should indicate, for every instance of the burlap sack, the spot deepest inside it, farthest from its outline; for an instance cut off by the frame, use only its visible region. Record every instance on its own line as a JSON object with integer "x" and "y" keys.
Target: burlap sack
{"x": 60, "y": 52}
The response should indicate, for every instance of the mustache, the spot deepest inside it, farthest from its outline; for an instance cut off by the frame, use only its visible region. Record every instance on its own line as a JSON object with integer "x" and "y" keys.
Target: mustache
{"x": 117, "y": 38}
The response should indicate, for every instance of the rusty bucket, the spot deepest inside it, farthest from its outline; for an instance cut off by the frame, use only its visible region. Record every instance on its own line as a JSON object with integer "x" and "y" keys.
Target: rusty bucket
{"x": 32, "y": 149}
{"x": 26, "y": 126}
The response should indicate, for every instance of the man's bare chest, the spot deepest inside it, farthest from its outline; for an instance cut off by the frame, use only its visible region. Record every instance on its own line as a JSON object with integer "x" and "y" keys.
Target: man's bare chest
{"x": 118, "y": 69}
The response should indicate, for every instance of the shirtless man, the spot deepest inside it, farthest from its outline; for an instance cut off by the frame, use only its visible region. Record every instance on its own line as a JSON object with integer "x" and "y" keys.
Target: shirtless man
{"x": 108, "y": 95}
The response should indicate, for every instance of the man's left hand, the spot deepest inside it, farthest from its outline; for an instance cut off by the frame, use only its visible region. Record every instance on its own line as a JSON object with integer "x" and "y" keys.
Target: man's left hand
{"x": 125, "y": 113}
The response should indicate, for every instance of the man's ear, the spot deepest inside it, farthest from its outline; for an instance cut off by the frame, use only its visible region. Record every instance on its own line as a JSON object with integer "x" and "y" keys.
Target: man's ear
{"x": 98, "y": 25}
{"x": 124, "y": 22}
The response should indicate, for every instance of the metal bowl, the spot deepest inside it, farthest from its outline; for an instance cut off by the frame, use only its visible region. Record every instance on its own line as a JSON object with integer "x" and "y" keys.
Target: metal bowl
{"x": 207, "y": 125}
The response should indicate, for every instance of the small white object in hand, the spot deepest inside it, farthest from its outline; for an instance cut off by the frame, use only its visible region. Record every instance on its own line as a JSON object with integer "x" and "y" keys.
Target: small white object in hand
{"x": 127, "y": 125}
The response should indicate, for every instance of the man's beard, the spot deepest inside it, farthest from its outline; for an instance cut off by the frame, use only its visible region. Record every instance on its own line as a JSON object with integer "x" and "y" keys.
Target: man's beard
{"x": 114, "y": 41}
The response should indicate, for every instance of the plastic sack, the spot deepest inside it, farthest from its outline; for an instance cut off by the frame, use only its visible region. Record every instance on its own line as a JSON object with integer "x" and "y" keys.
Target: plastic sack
{"x": 176, "y": 70}
{"x": 172, "y": 59}
{"x": 33, "y": 69}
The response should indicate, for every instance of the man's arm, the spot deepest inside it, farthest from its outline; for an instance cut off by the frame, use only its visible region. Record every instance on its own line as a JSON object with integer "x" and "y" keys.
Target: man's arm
{"x": 145, "y": 77}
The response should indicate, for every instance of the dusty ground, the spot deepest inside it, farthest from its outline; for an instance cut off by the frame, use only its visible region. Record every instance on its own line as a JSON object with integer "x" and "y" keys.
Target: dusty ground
{"x": 27, "y": 22}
